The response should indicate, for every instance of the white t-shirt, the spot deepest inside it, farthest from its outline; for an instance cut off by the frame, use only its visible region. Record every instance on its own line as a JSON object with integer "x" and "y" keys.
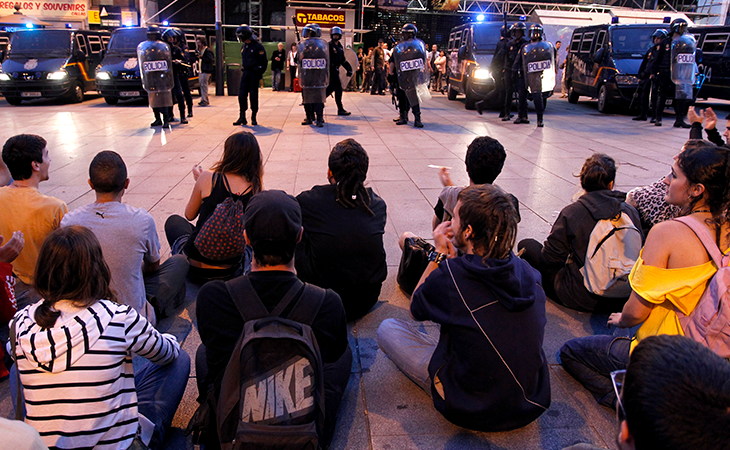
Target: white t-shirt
{"x": 128, "y": 237}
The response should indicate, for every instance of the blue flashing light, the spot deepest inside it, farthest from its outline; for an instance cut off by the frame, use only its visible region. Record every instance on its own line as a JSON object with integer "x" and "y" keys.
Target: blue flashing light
{"x": 667, "y": 19}
{"x": 68, "y": 25}
{"x": 480, "y": 18}
{"x": 128, "y": 23}
{"x": 523, "y": 18}
{"x": 614, "y": 19}
{"x": 28, "y": 25}
{"x": 165, "y": 23}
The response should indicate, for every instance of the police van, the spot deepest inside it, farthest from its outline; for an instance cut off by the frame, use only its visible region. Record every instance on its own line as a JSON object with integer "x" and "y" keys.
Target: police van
{"x": 469, "y": 54}
{"x": 715, "y": 64}
{"x": 4, "y": 41}
{"x": 117, "y": 76}
{"x": 48, "y": 63}
{"x": 603, "y": 62}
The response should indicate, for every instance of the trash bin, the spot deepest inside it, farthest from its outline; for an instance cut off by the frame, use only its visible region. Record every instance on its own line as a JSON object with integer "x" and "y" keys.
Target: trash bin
{"x": 233, "y": 78}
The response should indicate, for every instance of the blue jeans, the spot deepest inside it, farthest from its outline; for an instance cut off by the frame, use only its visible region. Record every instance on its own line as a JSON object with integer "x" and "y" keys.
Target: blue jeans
{"x": 276, "y": 80}
{"x": 159, "y": 392}
{"x": 591, "y": 359}
{"x": 409, "y": 349}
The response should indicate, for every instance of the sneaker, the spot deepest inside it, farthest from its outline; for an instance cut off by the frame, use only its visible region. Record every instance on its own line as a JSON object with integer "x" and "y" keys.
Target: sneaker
{"x": 540, "y": 124}
{"x": 658, "y": 123}
{"x": 507, "y": 118}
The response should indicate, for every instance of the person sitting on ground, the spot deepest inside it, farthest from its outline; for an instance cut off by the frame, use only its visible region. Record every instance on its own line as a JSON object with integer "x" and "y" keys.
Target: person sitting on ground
{"x": 709, "y": 118}
{"x": 675, "y": 394}
{"x": 671, "y": 273}
{"x": 650, "y": 201}
{"x": 74, "y": 354}
{"x": 344, "y": 222}
{"x": 487, "y": 371}
{"x": 8, "y": 306}
{"x": 273, "y": 229}
{"x": 23, "y": 208}
{"x": 563, "y": 256}
{"x": 5, "y": 177}
{"x": 129, "y": 241}
{"x": 239, "y": 175}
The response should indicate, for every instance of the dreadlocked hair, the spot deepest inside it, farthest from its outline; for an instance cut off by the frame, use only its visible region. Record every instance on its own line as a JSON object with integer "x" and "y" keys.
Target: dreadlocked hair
{"x": 493, "y": 220}
{"x": 348, "y": 163}
{"x": 705, "y": 163}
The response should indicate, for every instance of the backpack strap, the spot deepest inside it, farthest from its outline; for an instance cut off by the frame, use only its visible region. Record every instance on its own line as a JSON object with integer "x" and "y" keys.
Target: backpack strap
{"x": 308, "y": 305}
{"x": 252, "y": 307}
{"x": 705, "y": 237}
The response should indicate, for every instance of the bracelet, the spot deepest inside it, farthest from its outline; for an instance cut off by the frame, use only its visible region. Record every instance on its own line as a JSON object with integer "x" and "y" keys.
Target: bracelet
{"x": 436, "y": 257}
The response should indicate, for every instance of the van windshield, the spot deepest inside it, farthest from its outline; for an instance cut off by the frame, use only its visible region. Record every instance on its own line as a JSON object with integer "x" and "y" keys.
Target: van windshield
{"x": 48, "y": 43}
{"x": 126, "y": 40}
{"x": 487, "y": 37}
{"x": 632, "y": 40}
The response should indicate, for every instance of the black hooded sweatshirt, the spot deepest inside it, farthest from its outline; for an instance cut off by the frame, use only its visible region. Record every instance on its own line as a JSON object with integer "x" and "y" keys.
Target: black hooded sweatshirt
{"x": 565, "y": 248}
{"x": 496, "y": 379}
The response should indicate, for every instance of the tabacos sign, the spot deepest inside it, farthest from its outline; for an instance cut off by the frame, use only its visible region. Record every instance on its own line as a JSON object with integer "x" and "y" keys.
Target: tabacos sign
{"x": 323, "y": 18}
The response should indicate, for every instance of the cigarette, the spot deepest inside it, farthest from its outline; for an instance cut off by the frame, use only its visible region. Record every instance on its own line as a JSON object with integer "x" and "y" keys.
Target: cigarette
{"x": 432, "y": 166}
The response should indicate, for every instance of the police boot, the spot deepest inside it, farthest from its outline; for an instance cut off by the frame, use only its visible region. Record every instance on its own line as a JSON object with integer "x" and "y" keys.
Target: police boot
{"x": 342, "y": 112}
{"x": 320, "y": 116}
{"x": 680, "y": 123}
{"x": 403, "y": 119}
{"x": 190, "y": 111}
{"x": 157, "y": 121}
{"x": 540, "y": 123}
{"x": 658, "y": 122}
{"x": 183, "y": 120}
{"x": 417, "y": 121}
{"x": 241, "y": 119}
{"x": 521, "y": 120}
{"x": 253, "y": 119}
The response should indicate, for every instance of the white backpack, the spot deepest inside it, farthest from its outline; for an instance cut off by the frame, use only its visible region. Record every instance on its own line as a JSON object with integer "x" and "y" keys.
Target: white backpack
{"x": 613, "y": 249}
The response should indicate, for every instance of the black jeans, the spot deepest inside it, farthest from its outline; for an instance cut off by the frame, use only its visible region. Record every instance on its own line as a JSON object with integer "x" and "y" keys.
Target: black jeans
{"x": 508, "y": 92}
{"x": 249, "y": 88}
{"x": 536, "y": 99}
{"x": 336, "y": 87}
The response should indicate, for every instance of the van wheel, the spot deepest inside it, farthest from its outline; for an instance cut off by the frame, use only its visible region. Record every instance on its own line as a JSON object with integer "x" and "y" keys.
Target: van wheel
{"x": 15, "y": 101}
{"x": 111, "y": 100}
{"x": 572, "y": 95}
{"x": 76, "y": 94}
{"x": 603, "y": 103}
{"x": 470, "y": 103}
{"x": 452, "y": 93}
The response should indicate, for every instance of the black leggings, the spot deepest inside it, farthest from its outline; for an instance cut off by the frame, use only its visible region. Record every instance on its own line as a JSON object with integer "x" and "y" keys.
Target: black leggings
{"x": 292, "y": 75}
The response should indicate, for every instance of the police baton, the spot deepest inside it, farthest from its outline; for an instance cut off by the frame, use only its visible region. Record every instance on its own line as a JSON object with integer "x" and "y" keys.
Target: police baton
{"x": 296, "y": 28}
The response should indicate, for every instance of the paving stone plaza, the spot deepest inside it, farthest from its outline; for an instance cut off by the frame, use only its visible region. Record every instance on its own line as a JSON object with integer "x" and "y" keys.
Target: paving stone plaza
{"x": 381, "y": 409}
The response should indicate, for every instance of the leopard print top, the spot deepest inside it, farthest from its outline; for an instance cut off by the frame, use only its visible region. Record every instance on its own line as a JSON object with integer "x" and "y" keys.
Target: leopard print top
{"x": 650, "y": 203}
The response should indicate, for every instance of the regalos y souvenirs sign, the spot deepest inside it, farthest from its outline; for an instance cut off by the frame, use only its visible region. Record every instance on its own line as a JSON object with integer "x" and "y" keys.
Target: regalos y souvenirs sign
{"x": 323, "y": 18}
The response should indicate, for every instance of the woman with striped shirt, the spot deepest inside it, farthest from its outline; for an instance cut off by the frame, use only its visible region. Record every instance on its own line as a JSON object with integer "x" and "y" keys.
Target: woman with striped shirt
{"x": 74, "y": 353}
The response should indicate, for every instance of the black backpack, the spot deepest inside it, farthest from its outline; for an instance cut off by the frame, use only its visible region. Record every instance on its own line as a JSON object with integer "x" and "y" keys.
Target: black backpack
{"x": 272, "y": 391}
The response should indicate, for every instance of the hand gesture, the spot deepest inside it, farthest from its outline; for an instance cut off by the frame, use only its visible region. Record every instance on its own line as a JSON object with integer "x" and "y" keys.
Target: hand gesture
{"x": 615, "y": 320}
{"x": 197, "y": 170}
{"x": 694, "y": 117}
{"x": 11, "y": 250}
{"x": 442, "y": 236}
{"x": 445, "y": 177}
{"x": 710, "y": 119}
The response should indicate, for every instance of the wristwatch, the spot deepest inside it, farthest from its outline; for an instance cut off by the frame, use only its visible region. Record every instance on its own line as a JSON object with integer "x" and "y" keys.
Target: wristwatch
{"x": 436, "y": 257}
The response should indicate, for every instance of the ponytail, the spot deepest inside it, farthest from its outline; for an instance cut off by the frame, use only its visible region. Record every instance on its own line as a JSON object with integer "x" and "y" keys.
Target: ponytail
{"x": 348, "y": 163}
{"x": 597, "y": 173}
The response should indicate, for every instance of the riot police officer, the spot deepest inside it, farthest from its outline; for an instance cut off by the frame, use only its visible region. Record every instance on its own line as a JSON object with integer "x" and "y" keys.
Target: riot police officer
{"x": 536, "y": 65}
{"x": 253, "y": 66}
{"x": 497, "y": 68}
{"x": 337, "y": 59}
{"x": 644, "y": 90}
{"x": 155, "y": 63}
{"x": 189, "y": 60}
{"x": 313, "y": 57}
{"x": 513, "y": 48}
{"x": 661, "y": 70}
{"x": 171, "y": 37}
{"x": 410, "y": 64}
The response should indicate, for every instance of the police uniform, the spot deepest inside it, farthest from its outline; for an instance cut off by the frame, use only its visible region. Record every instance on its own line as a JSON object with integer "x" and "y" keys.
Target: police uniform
{"x": 337, "y": 59}
{"x": 411, "y": 66}
{"x": 179, "y": 72}
{"x": 253, "y": 66}
{"x": 534, "y": 51}
{"x": 662, "y": 71}
{"x": 157, "y": 79}
{"x": 644, "y": 90}
{"x": 510, "y": 75}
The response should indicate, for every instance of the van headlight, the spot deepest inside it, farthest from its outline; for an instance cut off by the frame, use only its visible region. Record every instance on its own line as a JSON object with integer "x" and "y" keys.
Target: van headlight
{"x": 58, "y": 75}
{"x": 4, "y": 77}
{"x": 103, "y": 76}
{"x": 482, "y": 74}
{"x": 627, "y": 79}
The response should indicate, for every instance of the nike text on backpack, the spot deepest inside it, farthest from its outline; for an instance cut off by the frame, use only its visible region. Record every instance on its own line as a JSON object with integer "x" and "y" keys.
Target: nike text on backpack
{"x": 272, "y": 393}
{"x": 613, "y": 249}
{"x": 709, "y": 322}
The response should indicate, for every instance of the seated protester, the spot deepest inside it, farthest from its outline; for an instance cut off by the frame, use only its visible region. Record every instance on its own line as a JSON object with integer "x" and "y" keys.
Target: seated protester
{"x": 671, "y": 273}
{"x": 709, "y": 118}
{"x": 20, "y": 436}
{"x": 651, "y": 204}
{"x": 487, "y": 371}
{"x": 8, "y": 307}
{"x": 23, "y": 208}
{"x": 5, "y": 177}
{"x": 273, "y": 229}
{"x": 563, "y": 256}
{"x": 74, "y": 353}
{"x": 129, "y": 242}
{"x": 674, "y": 394}
{"x": 344, "y": 222}
{"x": 238, "y": 175}
{"x": 484, "y": 161}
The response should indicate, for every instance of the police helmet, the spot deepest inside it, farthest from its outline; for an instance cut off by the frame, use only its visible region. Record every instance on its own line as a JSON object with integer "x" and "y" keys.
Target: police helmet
{"x": 317, "y": 29}
{"x": 335, "y": 30}
{"x": 518, "y": 26}
{"x": 504, "y": 31}
{"x": 169, "y": 35}
{"x": 678, "y": 26}
{"x": 536, "y": 32}
{"x": 309, "y": 31}
{"x": 660, "y": 33}
{"x": 153, "y": 33}
{"x": 244, "y": 33}
{"x": 409, "y": 31}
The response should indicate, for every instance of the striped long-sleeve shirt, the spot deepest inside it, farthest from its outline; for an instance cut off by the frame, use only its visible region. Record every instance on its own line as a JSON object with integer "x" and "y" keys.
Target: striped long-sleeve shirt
{"x": 77, "y": 376}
